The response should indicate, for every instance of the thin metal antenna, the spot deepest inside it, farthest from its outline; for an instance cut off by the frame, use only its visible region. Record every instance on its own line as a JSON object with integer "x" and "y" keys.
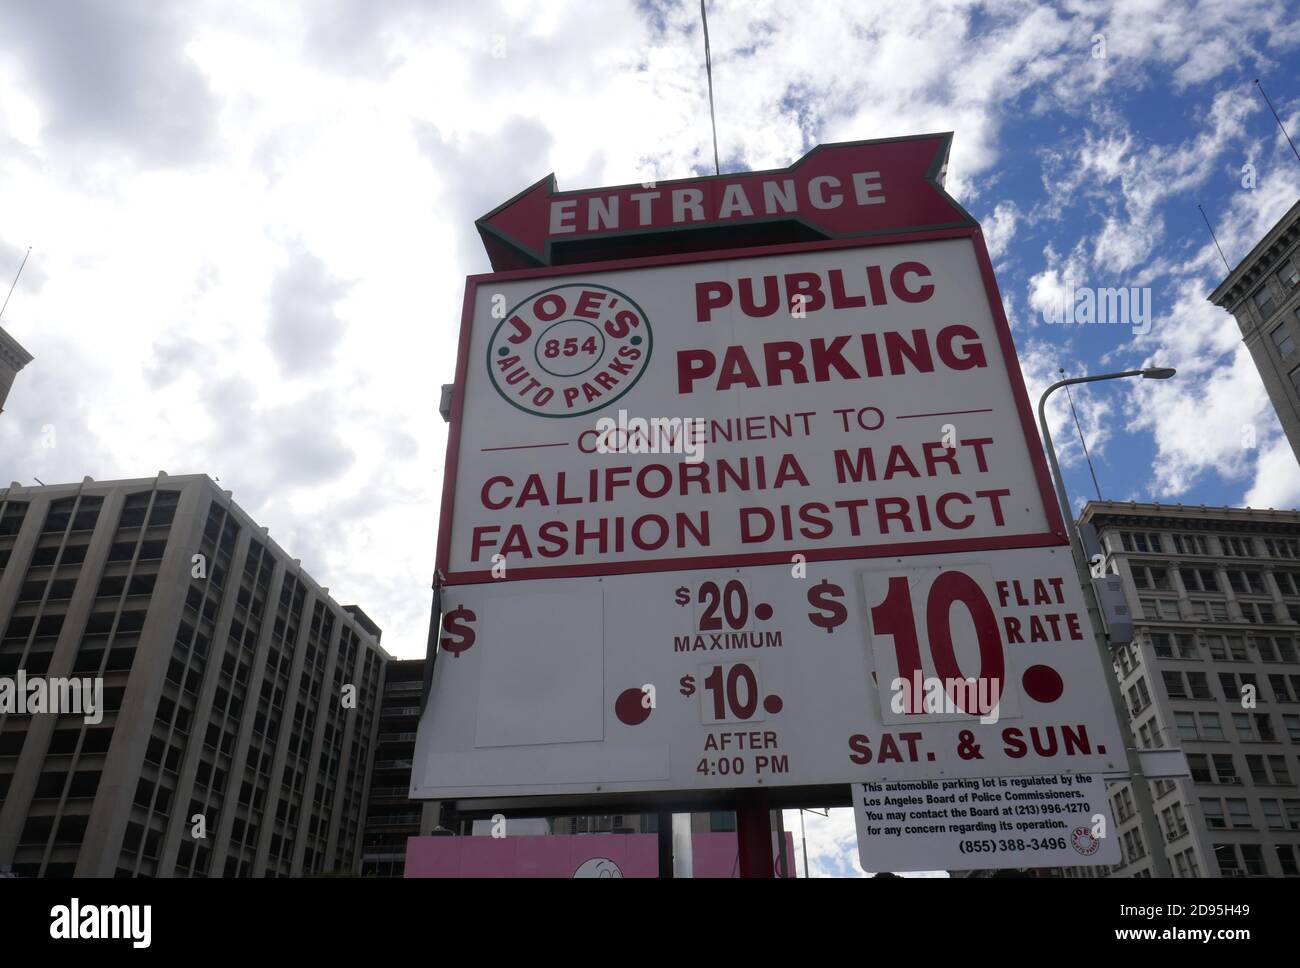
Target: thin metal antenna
{"x": 1215, "y": 237}
{"x": 1275, "y": 117}
{"x": 1086, "y": 456}
{"x": 15, "y": 282}
{"x": 708, "y": 69}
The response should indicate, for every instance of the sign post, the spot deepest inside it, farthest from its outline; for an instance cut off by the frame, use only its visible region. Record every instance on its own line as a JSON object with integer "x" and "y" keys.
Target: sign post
{"x": 724, "y": 523}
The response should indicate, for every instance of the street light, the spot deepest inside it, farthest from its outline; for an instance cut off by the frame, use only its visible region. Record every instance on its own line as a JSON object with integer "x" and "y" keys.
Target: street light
{"x": 1141, "y": 791}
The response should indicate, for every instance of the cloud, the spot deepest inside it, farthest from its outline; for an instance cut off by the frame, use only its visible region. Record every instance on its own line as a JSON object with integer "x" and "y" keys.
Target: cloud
{"x": 1277, "y": 482}
{"x": 1000, "y": 228}
{"x": 303, "y": 328}
{"x": 113, "y": 76}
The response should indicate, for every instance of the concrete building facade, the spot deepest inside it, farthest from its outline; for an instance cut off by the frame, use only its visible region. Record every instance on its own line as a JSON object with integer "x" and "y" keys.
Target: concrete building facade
{"x": 1263, "y": 293}
{"x": 1214, "y": 669}
{"x": 391, "y": 815}
{"x": 12, "y": 359}
{"x": 227, "y": 680}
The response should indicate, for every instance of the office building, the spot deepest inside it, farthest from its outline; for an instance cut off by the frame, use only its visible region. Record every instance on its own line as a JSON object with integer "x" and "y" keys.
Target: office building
{"x": 12, "y": 359}
{"x": 1263, "y": 293}
{"x": 1214, "y": 669}
{"x": 391, "y": 815}
{"x": 240, "y": 701}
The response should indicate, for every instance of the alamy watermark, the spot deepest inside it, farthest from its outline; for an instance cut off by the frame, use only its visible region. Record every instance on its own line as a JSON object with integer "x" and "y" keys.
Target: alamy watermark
{"x": 653, "y": 435}
{"x": 1122, "y": 306}
{"x": 22, "y": 695}
{"x": 75, "y": 921}
{"x": 932, "y": 695}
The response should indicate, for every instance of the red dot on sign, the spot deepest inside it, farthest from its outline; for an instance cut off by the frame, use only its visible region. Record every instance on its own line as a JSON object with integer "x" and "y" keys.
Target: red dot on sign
{"x": 1043, "y": 683}
{"x": 773, "y": 704}
{"x": 629, "y": 708}
{"x": 764, "y": 611}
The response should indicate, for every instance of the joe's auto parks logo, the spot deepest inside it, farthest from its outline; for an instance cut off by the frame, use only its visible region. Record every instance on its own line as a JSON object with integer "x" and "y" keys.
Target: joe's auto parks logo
{"x": 569, "y": 350}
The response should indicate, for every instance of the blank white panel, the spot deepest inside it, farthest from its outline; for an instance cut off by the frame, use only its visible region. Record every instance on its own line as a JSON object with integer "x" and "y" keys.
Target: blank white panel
{"x": 548, "y": 767}
{"x": 542, "y": 678}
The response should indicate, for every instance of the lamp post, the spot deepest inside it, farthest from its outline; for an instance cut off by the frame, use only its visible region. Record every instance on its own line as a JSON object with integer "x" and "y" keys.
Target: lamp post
{"x": 1141, "y": 791}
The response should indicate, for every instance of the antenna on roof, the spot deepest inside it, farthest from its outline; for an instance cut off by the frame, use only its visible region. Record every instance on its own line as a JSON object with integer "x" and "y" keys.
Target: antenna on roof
{"x": 708, "y": 69}
{"x": 1277, "y": 119}
{"x": 15, "y": 282}
{"x": 1215, "y": 237}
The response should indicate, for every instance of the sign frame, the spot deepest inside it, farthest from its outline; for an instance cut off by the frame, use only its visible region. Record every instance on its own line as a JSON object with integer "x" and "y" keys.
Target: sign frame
{"x": 1055, "y": 536}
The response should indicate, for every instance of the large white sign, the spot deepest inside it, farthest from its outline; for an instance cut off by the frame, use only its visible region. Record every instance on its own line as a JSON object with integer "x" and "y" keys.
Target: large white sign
{"x": 717, "y": 522}
{"x": 1059, "y": 820}
{"x": 980, "y": 665}
{"x": 837, "y": 403}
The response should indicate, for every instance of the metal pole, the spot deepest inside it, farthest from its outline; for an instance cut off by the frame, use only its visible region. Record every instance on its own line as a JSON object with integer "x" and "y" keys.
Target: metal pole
{"x": 782, "y": 862}
{"x": 665, "y": 831}
{"x": 1137, "y": 780}
{"x": 754, "y": 833}
{"x": 803, "y": 835}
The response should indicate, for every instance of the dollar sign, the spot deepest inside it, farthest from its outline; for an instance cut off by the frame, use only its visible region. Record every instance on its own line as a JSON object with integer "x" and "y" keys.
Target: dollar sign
{"x": 688, "y": 685}
{"x": 826, "y": 595}
{"x": 456, "y": 622}
{"x": 682, "y": 596}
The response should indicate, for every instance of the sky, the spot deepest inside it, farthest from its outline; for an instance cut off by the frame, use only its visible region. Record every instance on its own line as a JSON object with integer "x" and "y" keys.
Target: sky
{"x": 250, "y": 223}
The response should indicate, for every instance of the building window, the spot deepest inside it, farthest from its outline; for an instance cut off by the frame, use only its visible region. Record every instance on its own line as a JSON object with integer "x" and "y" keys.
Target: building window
{"x": 1160, "y": 609}
{"x": 1289, "y": 274}
{"x": 1253, "y": 855}
{"x": 1236, "y": 547}
{"x": 1281, "y": 692}
{"x": 1295, "y": 377}
{"x": 1138, "y": 696}
{"x": 1239, "y": 813}
{"x": 1245, "y": 581}
{"x": 1292, "y": 724}
{"x": 1140, "y": 541}
{"x": 1263, "y": 300}
{"x": 1168, "y": 645}
{"x": 1134, "y": 848}
{"x": 1272, "y": 814}
{"x": 1175, "y": 822}
{"x": 1284, "y": 341}
{"x": 1199, "y": 579}
{"x": 1268, "y": 770}
{"x": 1225, "y": 770}
{"x": 1149, "y": 577}
{"x": 1282, "y": 547}
{"x": 1212, "y": 810}
{"x": 1286, "y": 857}
{"x": 1229, "y": 865}
{"x": 1210, "y": 611}
{"x": 1191, "y": 544}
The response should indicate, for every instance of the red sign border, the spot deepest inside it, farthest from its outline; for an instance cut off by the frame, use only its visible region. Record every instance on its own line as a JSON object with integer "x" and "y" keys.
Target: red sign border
{"x": 1052, "y": 538}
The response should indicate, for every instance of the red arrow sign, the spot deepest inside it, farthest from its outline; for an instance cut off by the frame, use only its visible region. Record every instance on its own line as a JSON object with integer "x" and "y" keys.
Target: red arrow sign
{"x": 854, "y": 188}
